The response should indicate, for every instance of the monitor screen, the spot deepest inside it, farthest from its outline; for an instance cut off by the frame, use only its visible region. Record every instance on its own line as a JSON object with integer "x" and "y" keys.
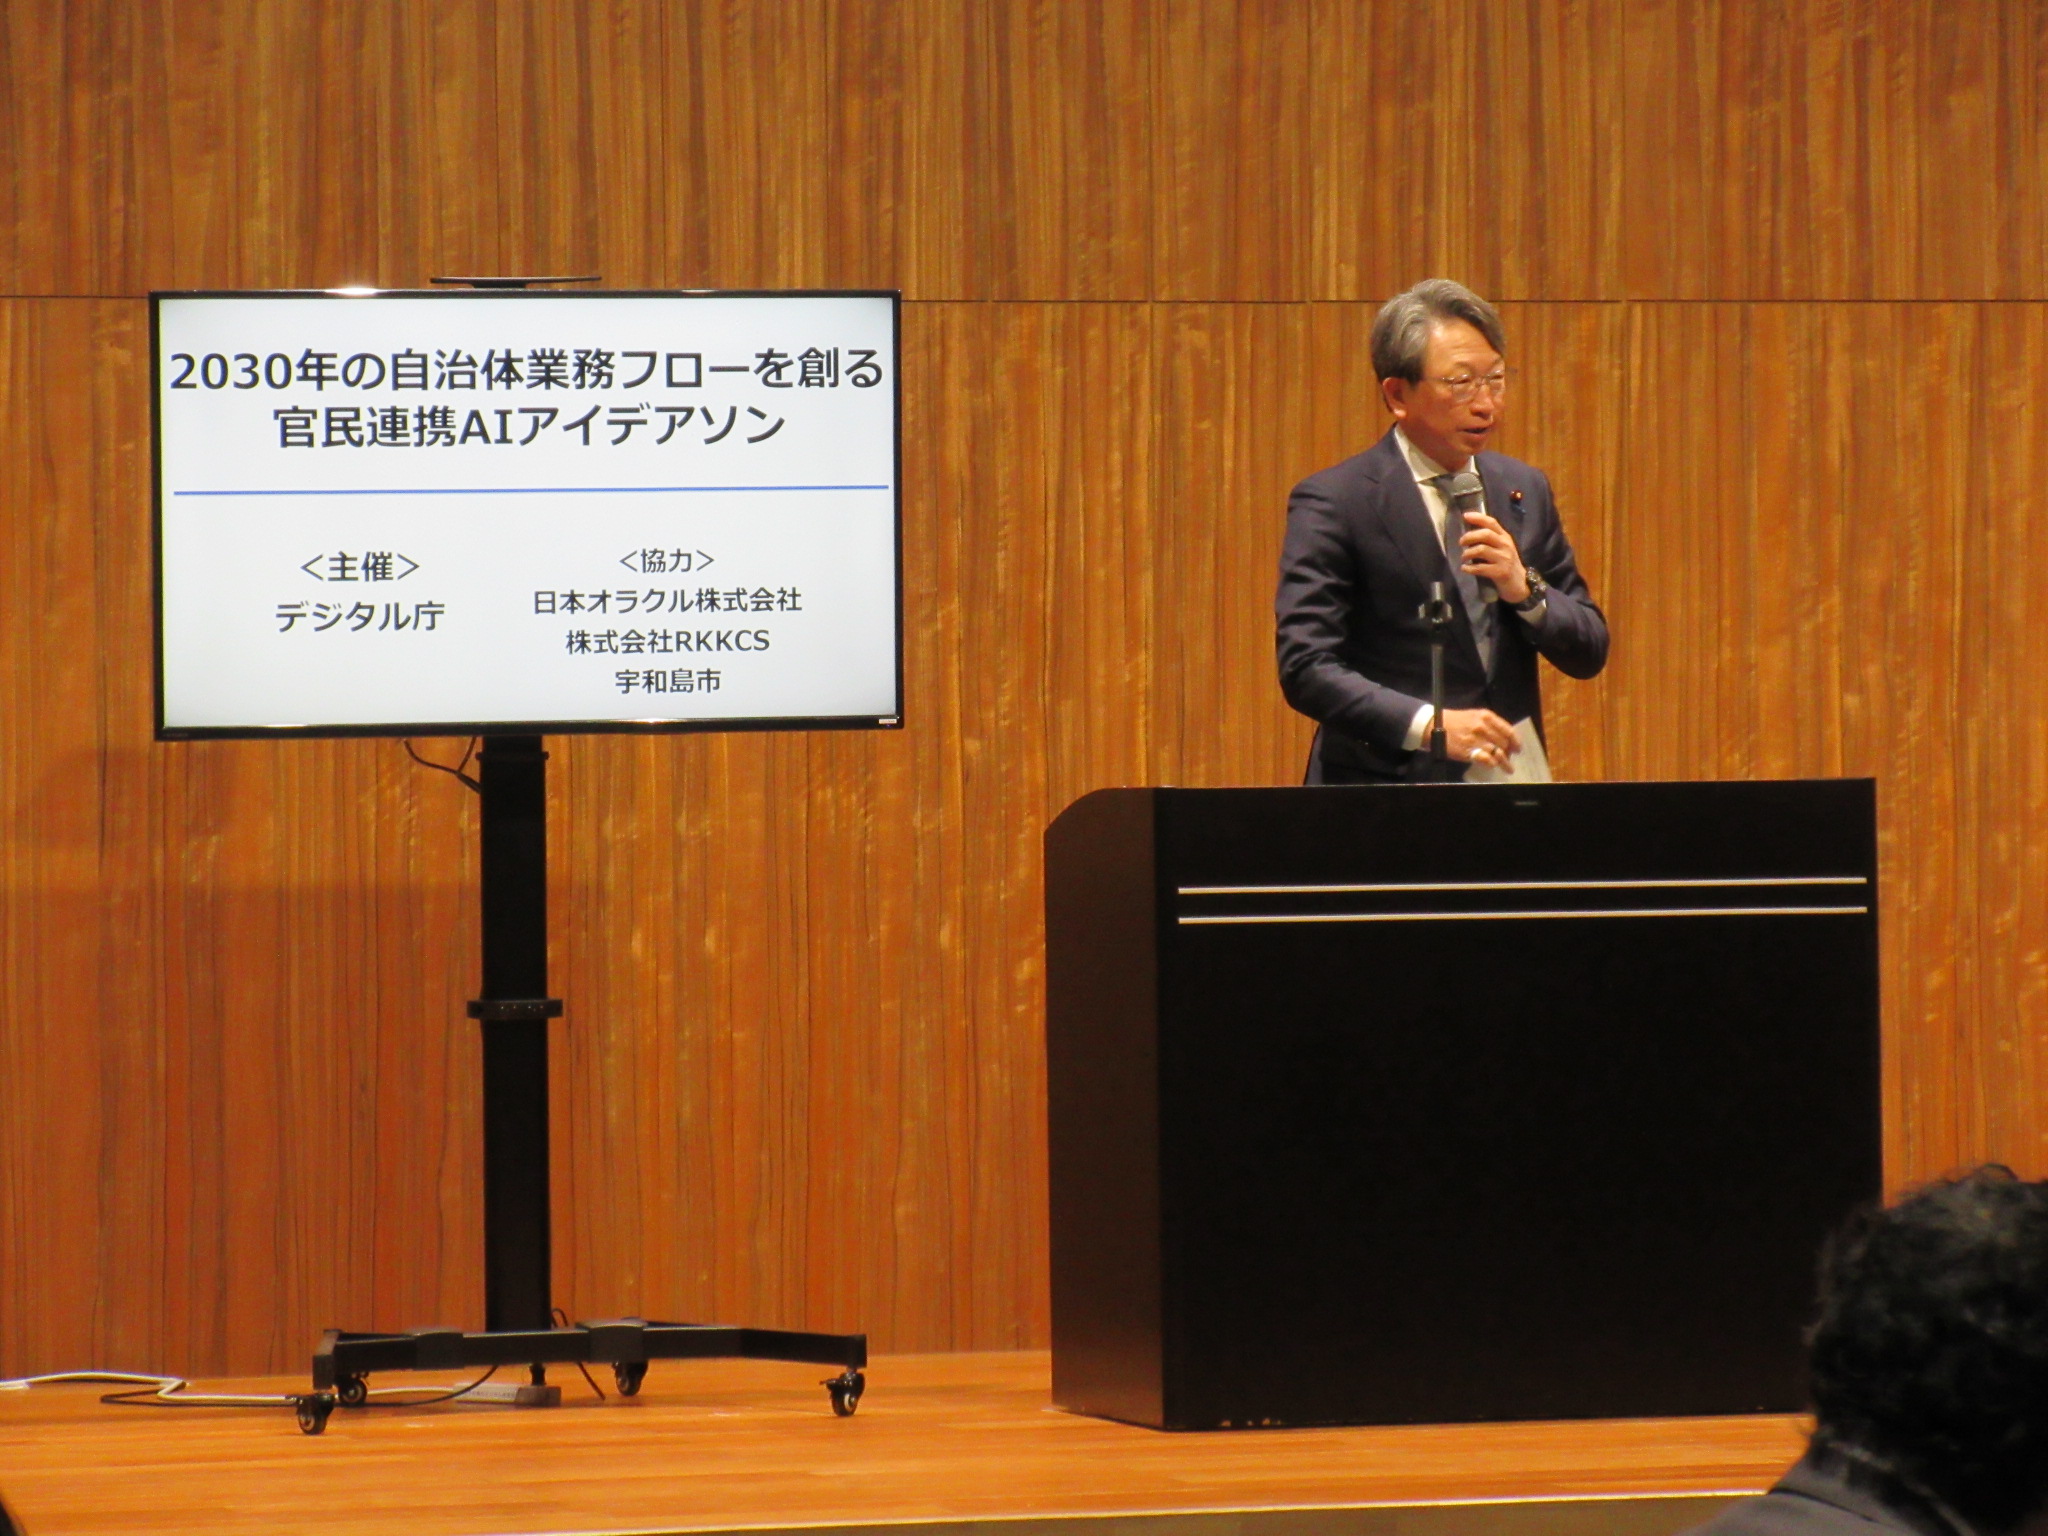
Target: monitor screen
{"x": 455, "y": 512}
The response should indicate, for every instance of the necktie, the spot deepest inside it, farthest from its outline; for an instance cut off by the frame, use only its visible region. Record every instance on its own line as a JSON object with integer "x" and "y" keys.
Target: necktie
{"x": 1461, "y": 495}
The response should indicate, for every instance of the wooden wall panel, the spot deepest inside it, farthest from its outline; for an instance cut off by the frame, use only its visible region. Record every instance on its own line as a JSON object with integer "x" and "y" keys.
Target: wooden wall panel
{"x": 2002, "y": 778}
{"x": 1479, "y": 142}
{"x": 953, "y": 151}
{"x": 53, "y": 1042}
{"x": 1831, "y": 592}
{"x": 240, "y": 1099}
{"x": 1208, "y": 150}
{"x": 1810, "y": 149}
{"x": 805, "y": 1049}
{"x": 1231, "y": 201}
{"x": 801, "y": 1076}
{"x": 1234, "y": 435}
{"x": 1572, "y": 414}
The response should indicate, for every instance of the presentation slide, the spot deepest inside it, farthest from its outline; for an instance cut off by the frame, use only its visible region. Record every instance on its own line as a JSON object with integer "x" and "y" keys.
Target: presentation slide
{"x": 447, "y": 511}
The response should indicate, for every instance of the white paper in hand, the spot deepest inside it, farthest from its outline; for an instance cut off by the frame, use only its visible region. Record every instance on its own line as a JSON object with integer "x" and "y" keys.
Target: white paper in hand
{"x": 1530, "y": 765}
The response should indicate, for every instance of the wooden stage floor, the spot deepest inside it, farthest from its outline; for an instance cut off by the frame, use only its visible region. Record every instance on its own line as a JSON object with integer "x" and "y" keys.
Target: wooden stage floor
{"x": 947, "y": 1445}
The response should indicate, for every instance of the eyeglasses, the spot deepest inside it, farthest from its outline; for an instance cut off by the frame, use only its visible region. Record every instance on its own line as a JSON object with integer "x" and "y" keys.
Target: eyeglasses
{"x": 1464, "y": 386}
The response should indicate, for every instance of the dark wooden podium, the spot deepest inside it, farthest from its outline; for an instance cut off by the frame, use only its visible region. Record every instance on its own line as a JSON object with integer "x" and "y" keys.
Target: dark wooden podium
{"x": 1445, "y": 1103}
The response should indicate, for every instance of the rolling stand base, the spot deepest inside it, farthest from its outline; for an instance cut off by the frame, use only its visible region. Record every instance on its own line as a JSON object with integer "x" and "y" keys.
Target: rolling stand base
{"x": 344, "y": 1360}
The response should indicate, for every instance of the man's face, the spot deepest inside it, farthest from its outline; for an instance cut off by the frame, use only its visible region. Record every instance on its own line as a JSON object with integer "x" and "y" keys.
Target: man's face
{"x": 1447, "y": 429}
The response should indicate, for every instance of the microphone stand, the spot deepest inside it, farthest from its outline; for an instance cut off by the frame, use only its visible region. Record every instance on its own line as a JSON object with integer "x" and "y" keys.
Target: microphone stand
{"x": 1436, "y": 613}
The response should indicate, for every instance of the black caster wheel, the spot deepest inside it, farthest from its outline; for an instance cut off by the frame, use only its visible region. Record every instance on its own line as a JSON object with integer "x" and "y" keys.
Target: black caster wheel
{"x": 845, "y": 1392}
{"x": 313, "y": 1409}
{"x": 351, "y": 1392}
{"x": 629, "y": 1374}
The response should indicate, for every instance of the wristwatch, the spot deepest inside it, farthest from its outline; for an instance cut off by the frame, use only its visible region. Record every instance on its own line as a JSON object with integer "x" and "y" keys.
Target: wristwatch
{"x": 1539, "y": 589}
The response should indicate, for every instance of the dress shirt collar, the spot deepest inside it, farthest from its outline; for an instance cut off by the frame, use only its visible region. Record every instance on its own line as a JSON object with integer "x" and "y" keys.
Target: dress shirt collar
{"x": 1421, "y": 465}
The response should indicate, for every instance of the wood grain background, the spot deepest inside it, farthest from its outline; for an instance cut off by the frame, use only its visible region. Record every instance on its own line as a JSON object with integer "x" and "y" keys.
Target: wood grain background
{"x": 1776, "y": 272}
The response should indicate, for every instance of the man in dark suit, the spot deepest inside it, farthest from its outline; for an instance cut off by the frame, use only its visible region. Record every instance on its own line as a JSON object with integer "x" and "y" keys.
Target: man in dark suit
{"x": 1367, "y": 538}
{"x": 1929, "y": 1367}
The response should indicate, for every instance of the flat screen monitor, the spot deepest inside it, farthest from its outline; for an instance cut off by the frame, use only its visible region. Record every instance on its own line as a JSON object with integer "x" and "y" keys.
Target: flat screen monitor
{"x": 463, "y": 512}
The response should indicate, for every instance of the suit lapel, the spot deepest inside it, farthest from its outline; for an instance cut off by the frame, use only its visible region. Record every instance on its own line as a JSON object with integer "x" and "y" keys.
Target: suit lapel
{"x": 1409, "y": 526}
{"x": 1509, "y": 516}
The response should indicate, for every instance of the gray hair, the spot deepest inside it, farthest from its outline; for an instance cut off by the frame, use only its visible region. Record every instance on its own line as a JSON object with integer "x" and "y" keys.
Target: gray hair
{"x": 1400, "y": 332}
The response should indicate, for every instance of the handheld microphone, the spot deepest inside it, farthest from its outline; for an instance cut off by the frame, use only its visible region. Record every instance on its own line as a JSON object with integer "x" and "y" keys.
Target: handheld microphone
{"x": 1464, "y": 491}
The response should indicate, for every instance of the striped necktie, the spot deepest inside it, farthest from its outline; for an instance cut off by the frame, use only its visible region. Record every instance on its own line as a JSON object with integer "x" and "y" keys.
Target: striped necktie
{"x": 1461, "y": 494}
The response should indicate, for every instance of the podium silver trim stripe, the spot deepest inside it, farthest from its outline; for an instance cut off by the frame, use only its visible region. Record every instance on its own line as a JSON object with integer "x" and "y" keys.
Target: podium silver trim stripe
{"x": 1521, "y": 885}
{"x": 1491, "y": 917}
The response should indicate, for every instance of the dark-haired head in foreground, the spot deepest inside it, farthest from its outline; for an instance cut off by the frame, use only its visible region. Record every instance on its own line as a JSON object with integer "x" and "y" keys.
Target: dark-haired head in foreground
{"x": 1929, "y": 1372}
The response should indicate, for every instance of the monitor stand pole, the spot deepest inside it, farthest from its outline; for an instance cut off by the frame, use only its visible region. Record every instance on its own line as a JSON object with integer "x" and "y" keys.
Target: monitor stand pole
{"x": 518, "y": 1312}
